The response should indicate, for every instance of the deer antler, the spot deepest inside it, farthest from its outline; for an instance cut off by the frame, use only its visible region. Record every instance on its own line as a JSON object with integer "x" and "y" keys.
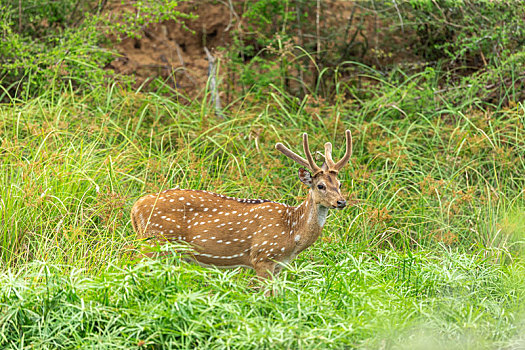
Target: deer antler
{"x": 328, "y": 155}
{"x": 330, "y": 165}
{"x": 306, "y": 148}
{"x": 341, "y": 163}
{"x": 309, "y": 161}
{"x": 310, "y": 164}
{"x": 292, "y": 155}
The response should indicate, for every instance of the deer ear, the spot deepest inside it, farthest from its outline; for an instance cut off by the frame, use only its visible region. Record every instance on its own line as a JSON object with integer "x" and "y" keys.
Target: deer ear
{"x": 305, "y": 177}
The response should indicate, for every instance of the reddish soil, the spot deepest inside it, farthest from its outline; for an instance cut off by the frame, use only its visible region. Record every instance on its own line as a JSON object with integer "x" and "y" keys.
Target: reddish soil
{"x": 170, "y": 51}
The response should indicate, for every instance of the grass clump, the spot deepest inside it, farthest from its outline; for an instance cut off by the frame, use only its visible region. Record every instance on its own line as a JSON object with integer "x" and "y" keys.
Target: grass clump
{"x": 363, "y": 299}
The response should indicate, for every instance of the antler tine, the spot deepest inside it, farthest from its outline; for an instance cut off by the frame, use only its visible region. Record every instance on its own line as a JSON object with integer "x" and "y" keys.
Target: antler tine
{"x": 328, "y": 155}
{"x": 292, "y": 155}
{"x": 348, "y": 152}
{"x": 313, "y": 167}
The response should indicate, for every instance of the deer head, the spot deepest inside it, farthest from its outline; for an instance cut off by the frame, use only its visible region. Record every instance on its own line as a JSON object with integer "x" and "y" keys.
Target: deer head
{"x": 323, "y": 183}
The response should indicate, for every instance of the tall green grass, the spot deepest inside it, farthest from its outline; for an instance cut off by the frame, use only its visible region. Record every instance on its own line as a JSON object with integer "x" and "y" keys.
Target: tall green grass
{"x": 439, "y": 299}
{"x": 429, "y": 254}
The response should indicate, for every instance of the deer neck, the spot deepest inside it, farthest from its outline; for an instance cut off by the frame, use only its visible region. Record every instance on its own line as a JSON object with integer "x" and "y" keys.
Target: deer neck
{"x": 310, "y": 219}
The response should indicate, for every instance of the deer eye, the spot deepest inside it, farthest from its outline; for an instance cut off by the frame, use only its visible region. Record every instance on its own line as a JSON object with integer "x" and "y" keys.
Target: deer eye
{"x": 321, "y": 187}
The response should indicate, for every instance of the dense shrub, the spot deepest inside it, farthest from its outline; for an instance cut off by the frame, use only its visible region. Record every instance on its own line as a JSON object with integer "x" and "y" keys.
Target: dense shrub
{"x": 60, "y": 44}
{"x": 467, "y": 33}
{"x": 48, "y": 44}
{"x": 308, "y": 47}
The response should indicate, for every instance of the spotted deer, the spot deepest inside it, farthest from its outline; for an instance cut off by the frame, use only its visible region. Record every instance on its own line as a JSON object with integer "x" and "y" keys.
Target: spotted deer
{"x": 255, "y": 233}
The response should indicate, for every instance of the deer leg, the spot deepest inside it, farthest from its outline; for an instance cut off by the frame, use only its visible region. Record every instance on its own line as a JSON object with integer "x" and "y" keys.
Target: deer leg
{"x": 278, "y": 268}
{"x": 265, "y": 270}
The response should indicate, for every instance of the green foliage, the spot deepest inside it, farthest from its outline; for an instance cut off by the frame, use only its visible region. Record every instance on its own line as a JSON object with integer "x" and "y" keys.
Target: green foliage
{"x": 58, "y": 45}
{"x": 282, "y": 43}
{"x": 47, "y": 48}
{"x": 360, "y": 300}
{"x": 467, "y": 32}
{"x": 263, "y": 38}
{"x": 39, "y": 19}
{"x": 141, "y": 14}
{"x": 267, "y": 17}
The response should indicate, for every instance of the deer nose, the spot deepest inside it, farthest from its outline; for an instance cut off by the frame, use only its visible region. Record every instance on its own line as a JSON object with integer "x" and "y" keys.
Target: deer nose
{"x": 341, "y": 203}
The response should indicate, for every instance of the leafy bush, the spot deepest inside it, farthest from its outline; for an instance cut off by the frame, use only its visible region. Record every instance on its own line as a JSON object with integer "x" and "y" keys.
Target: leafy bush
{"x": 48, "y": 44}
{"x": 309, "y": 47}
{"x": 59, "y": 45}
{"x": 469, "y": 33}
